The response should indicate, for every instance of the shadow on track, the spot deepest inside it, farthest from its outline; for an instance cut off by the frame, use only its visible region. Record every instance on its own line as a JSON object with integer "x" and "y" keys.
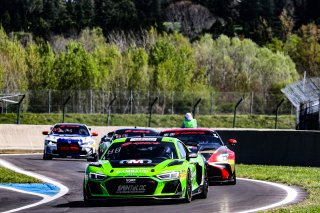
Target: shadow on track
{"x": 120, "y": 203}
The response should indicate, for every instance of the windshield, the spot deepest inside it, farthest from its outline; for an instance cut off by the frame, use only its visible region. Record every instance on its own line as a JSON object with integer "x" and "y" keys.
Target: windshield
{"x": 133, "y": 133}
{"x": 201, "y": 139}
{"x": 197, "y": 140}
{"x": 140, "y": 150}
{"x": 70, "y": 129}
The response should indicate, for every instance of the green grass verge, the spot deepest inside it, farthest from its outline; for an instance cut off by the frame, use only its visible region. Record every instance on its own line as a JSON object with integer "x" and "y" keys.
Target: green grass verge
{"x": 222, "y": 121}
{"x": 9, "y": 176}
{"x": 306, "y": 177}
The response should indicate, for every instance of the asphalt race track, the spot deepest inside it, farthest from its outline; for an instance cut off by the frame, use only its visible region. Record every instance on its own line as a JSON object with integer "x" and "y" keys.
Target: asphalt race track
{"x": 244, "y": 196}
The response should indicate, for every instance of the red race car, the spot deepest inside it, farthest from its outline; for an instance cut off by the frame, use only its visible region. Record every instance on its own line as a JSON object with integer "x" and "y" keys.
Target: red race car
{"x": 220, "y": 159}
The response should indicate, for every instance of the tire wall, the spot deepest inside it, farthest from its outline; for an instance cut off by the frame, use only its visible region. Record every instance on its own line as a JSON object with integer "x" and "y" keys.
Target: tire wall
{"x": 280, "y": 147}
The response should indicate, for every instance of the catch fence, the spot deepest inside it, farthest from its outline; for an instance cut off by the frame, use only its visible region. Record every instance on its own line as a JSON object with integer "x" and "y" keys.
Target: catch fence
{"x": 137, "y": 102}
{"x": 305, "y": 97}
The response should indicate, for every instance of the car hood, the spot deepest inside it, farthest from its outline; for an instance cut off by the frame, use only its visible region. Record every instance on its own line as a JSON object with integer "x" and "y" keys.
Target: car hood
{"x": 55, "y": 137}
{"x": 200, "y": 147}
{"x": 145, "y": 168}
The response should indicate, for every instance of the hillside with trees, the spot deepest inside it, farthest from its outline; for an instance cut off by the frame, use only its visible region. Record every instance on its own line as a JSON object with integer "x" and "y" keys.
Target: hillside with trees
{"x": 157, "y": 45}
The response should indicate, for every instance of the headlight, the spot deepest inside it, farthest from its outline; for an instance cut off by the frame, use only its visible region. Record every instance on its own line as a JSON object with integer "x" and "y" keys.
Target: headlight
{"x": 97, "y": 176}
{"x": 49, "y": 142}
{"x": 222, "y": 157}
{"x": 87, "y": 143}
{"x": 167, "y": 176}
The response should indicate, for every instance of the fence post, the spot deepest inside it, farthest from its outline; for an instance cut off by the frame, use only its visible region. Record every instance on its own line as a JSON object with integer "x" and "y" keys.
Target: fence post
{"x": 319, "y": 114}
{"x": 150, "y": 110}
{"x": 235, "y": 111}
{"x": 194, "y": 108}
{"x": 211, "y": 103}
{"x": 19, "y": 109}
{"x": 277, "y": 111}
{"x": 131, "y": 102}
{"x": 109, "y": 110}
{"x": 64, "y": 106}
{"x": 251, "y": 104}
{"x": 49, "y": 101}
{"x": 172, "y": 100}
{"x": 91, "y": 101}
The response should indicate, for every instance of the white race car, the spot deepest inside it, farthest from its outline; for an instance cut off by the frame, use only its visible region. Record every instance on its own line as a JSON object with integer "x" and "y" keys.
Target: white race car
{"x": 69, "y": 140}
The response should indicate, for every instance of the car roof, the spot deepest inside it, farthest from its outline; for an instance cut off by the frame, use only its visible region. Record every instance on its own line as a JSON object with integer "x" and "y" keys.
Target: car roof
{"x": 135, "y": 129}
{"x": 188, "y": 130}
{"x": 146, "y": 139}
{"x": 70, "y": 124}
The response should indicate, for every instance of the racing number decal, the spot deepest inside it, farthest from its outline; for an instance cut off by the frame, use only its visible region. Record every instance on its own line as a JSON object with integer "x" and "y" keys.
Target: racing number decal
{"x": 111, "y": 151}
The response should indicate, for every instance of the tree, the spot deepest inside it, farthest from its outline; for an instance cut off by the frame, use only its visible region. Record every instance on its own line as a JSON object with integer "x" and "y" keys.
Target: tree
{"x": 287, "y": 24}
{"x": 232, "y": 64}
{"x": 136, "y": 67}
{"x": 75, "y": 69}
{"x": 40, "y": 60}
{"x": 308, "y": 50}
{"x": 193, "y": 18}
{"x": 13, "y": 64}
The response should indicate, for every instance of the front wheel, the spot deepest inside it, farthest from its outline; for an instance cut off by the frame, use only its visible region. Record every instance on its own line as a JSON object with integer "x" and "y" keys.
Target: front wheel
{"x": 205, "y": 189}
{"x": 87, "y": 201}
{"x": 46, "y": 156}
{"x": 188, "y": 193}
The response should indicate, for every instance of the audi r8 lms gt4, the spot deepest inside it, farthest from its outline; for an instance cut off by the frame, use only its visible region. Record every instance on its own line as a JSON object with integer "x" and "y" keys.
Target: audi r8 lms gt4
{"x": 220, "y": 160}
{"x": 122, "y": 133}
{"x": 146, "y": 167}
{"x": 69, "y": 140}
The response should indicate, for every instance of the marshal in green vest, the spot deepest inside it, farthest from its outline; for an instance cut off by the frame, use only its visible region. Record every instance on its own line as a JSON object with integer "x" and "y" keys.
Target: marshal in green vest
{"x": 189, "y": 121}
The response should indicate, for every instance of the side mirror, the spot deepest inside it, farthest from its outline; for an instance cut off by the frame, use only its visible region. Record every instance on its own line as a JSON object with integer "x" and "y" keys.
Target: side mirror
{"x": 110, "y": 134}
{"x": 94, "y": 134}
{"x": 191, "y": 155}
{"x": 232, "y": 142}
{"x": 45, "y": 132}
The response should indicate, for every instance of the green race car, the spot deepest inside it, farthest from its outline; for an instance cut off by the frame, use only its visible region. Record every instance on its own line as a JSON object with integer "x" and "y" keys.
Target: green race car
{"x": 147, "y": 167}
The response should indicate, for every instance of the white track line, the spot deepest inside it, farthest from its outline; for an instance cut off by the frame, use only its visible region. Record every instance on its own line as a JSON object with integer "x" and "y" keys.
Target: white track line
{"x": 63, "y": 189}
{"x": 291, "y": 195}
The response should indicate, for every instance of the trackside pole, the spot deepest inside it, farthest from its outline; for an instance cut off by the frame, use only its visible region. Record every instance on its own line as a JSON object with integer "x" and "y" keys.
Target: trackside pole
{"x": 150, "y": 110}
{"x": 277, "y": 112}
{"x": 19, "y": 109}
{"x": 235, "y": 112}
{"x": 109, "y": 110}
{"x": 64, "y": 106}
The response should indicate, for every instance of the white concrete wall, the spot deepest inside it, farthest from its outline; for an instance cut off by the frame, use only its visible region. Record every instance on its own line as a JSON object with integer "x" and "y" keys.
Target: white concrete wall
{"x": 29, "y": 137}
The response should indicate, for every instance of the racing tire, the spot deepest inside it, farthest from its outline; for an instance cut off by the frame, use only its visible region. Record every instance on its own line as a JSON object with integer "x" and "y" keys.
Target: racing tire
{"x": 86, "y": 200}
{"x": 46, "y": 156}
{"x": 188, "y": 194}
{"x": 205, "y": 189}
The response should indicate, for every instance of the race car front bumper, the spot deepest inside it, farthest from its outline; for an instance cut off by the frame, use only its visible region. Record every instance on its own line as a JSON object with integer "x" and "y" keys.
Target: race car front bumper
{"x": 75, "y": 150}
{"x": 143, "y": 188}
{"x": 219, "y": 172}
